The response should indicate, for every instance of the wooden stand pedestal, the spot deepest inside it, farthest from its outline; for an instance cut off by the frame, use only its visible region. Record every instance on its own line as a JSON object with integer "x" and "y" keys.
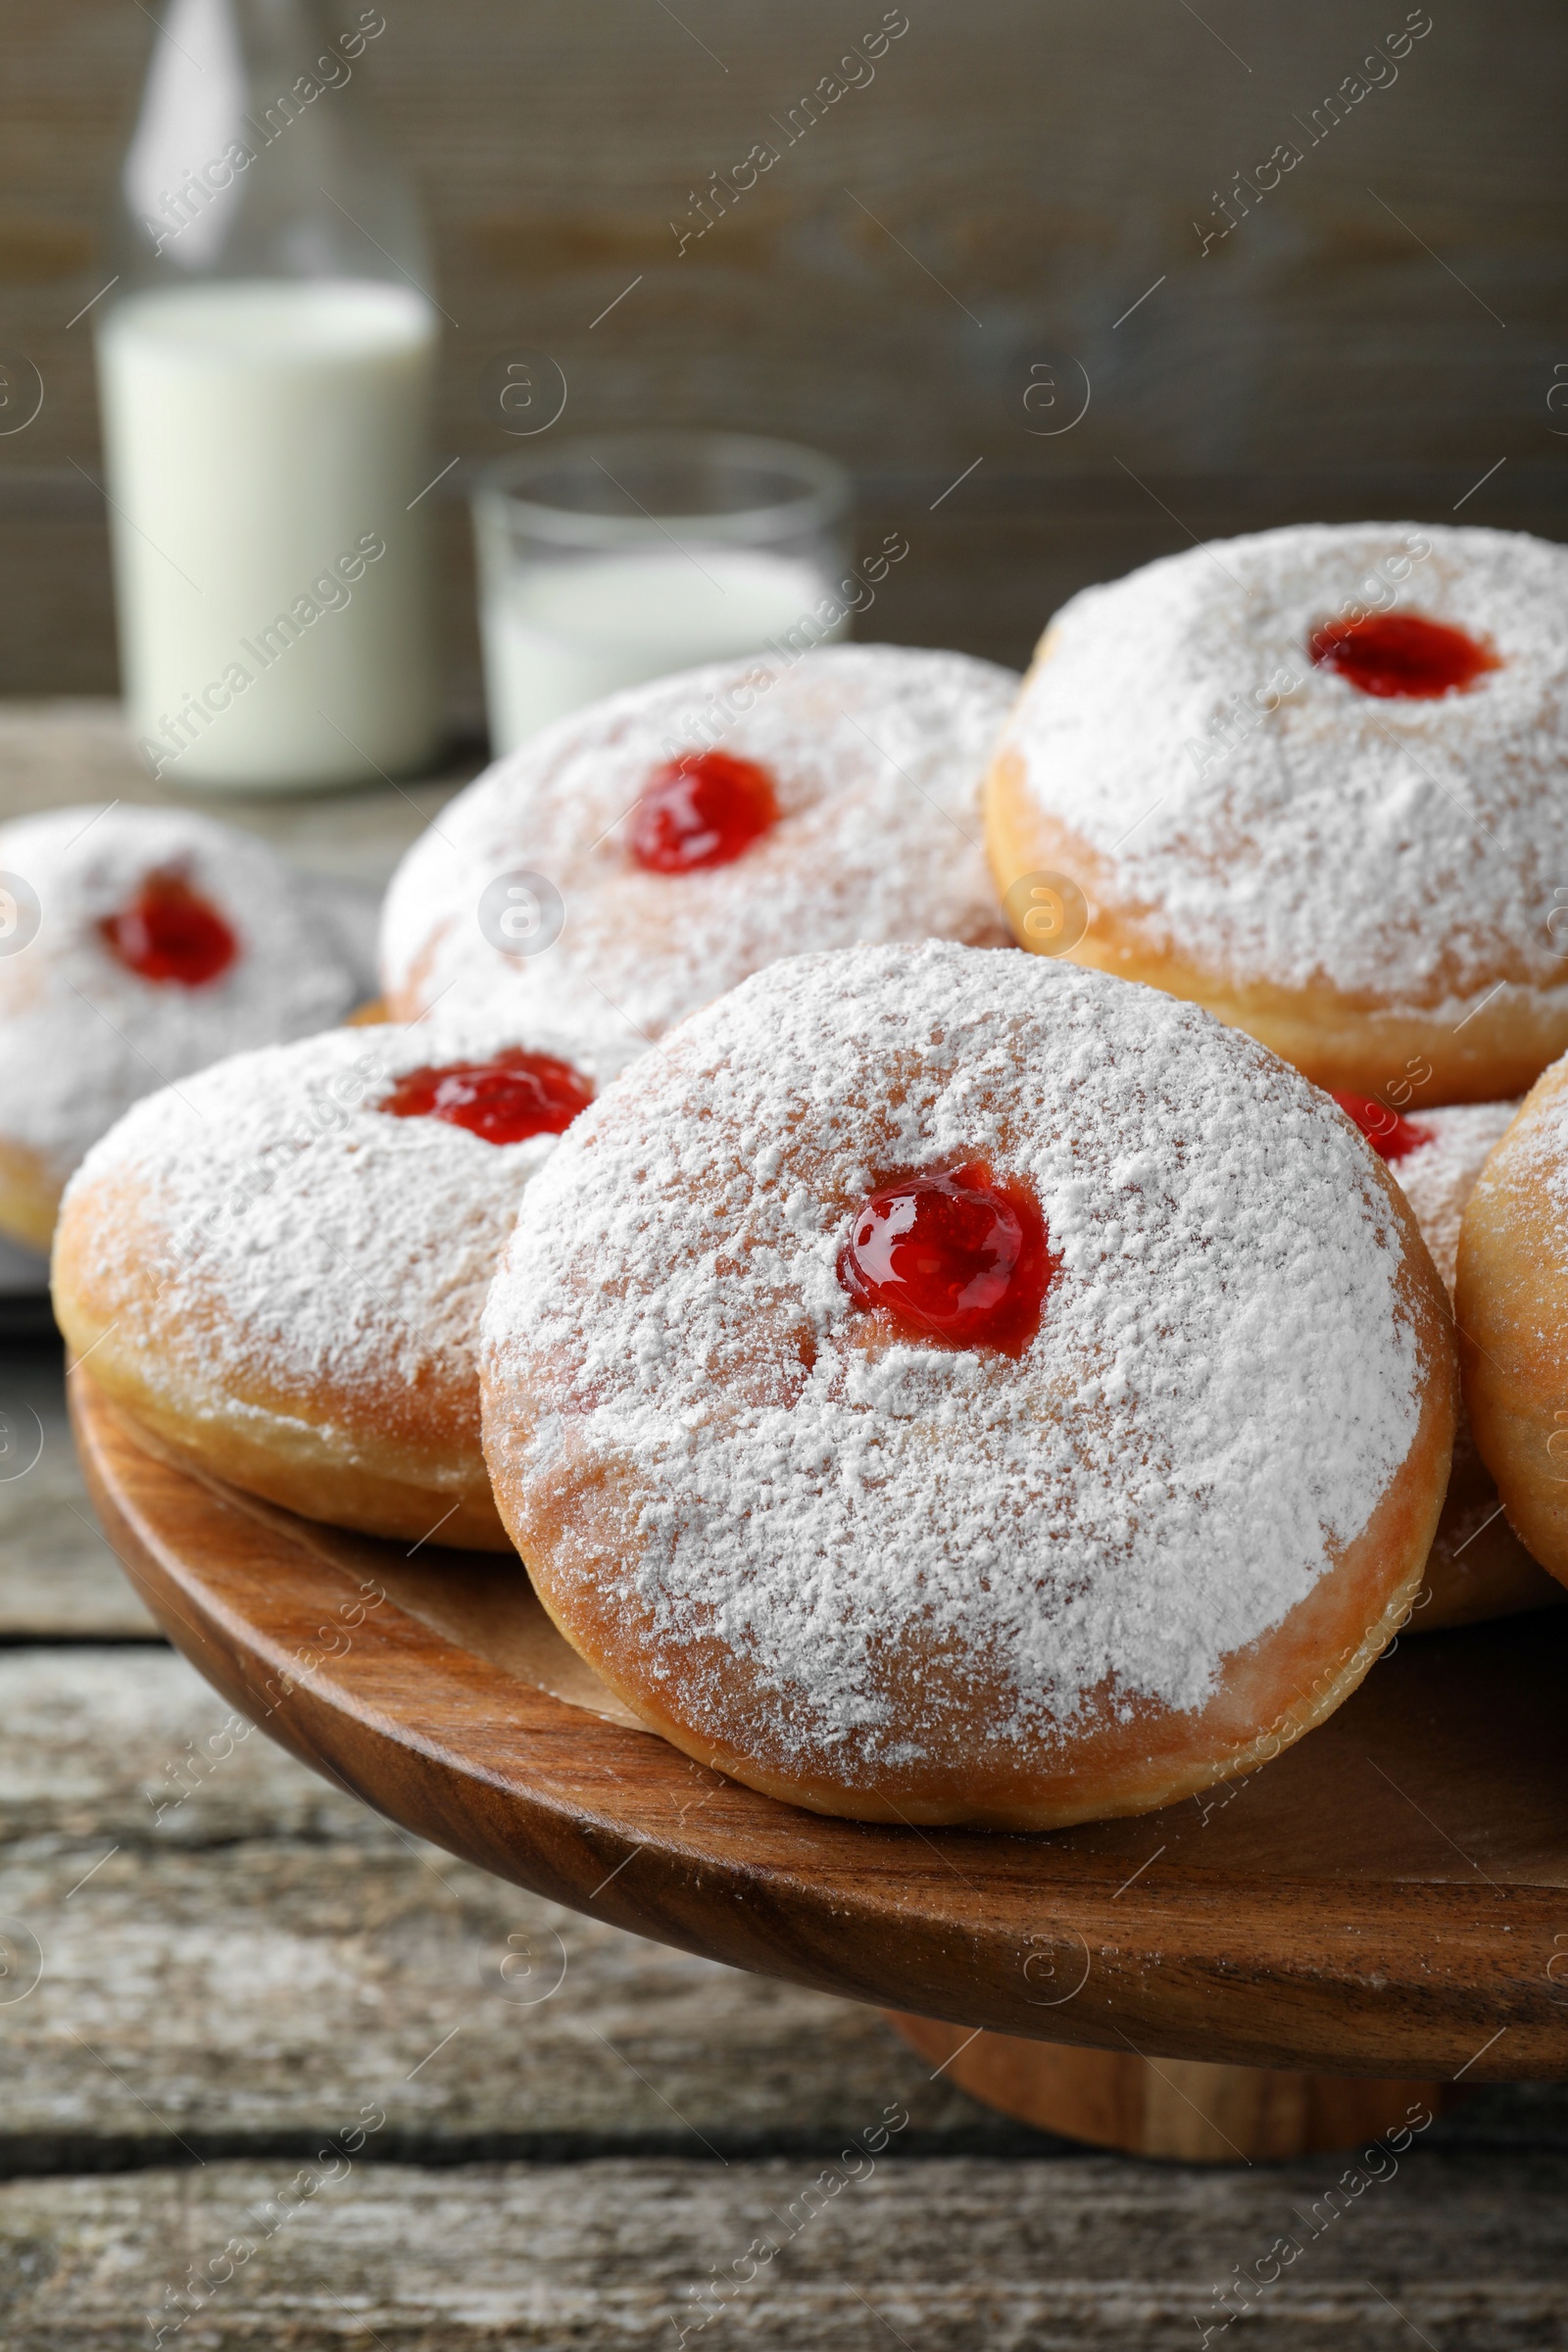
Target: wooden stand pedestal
{"x": 1176, "y": 2107}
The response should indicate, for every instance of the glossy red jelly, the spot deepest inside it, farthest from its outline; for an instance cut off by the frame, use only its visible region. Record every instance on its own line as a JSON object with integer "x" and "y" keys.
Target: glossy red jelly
{"x": 168, "y": 932}
{"x": 703, "y": 810}
{"x": 504, "y": 1101}
{"x": 956, "y": 1257}
{"x": 1389, "y": 1134}
{"x": 1390, "y": 653}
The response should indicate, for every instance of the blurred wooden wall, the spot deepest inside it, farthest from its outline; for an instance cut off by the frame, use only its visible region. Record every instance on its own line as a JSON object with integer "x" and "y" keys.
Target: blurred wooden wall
{"x": 1375, "y": 333}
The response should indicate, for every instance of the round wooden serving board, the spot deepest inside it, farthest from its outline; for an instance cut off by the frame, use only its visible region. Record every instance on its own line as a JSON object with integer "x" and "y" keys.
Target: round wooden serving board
{"x": 1389, "y": 1898}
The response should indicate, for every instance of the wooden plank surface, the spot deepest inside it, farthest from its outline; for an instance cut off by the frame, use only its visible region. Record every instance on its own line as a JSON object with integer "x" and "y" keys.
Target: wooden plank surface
{"x": 58, "y": 1576}
{"x": 986, "y": 569}
{"x": 1028, "y": 168}
{"x": 945, "y": 2256}
{"x": 56, "y": 753}
{"x": 273, "y": 1942}
{"x": 255, "y": 1989}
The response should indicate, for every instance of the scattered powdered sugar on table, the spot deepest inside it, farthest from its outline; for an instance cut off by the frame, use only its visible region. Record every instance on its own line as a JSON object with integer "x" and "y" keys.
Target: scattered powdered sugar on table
{"x": 1222, "y": 1384}
{"x": 309, "y": 1235}
{"x": 81, "y": 1036}
{"x": 1439, "y": 1175}
{"x": 876, "y": 754}
{"x": 1272, "y": 821}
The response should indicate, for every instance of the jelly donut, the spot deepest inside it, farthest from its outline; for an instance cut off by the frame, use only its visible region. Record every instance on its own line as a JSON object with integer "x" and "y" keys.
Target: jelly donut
{"x": 277, "y": 1267}
{"x": 1314, "y": 780}
{"x": 1511, "y": 1305}
{"x": 681, "y": 835}
{"x": 940, "y": 1387}
{"x": 1477, "y": 1568}
{"x": 137, "y": 944}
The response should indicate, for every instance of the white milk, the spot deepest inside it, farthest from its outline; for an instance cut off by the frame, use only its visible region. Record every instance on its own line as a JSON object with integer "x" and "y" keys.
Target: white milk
{"x": 264, "y": 438}
{"x": 558, "y": 635}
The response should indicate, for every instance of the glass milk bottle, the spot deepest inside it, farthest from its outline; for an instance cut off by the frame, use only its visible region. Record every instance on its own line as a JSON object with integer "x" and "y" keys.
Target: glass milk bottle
{"x": 266, "y": 358}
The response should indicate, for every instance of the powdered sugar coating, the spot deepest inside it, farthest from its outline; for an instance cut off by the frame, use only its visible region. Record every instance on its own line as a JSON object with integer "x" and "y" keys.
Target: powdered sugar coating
{"x": 1439, "y": 1176}
{"x": 81, "y": 1036}
{"x": 1537, "y": 1158}
{"x": 305, "y": 1236}
{"x": 876, "y": 754}
{"x": 1223, "y": 1380}
{"x": 1270, "y": 821}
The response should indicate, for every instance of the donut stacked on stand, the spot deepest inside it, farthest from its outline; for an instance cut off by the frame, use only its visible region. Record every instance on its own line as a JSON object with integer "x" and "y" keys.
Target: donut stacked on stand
{"x": 644, "y": 856}
{"x": 137, "y": 945}
{"x": 1513, "y": 1305}
{"x": 280, "y": 1283}
{"x": 1015, "y": 1398}
{"x": 277, "y": 1267}
{"x": 1478, "y": 1567}
{"x": 1313, "y": 780}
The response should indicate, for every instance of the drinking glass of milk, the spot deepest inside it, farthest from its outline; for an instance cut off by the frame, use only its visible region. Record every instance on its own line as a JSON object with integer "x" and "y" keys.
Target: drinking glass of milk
{"x": 265, "y": 355}
{"x": 603, "y": 563}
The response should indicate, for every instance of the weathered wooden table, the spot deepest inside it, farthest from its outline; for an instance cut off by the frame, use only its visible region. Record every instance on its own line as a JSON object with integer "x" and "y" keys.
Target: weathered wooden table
{"x": 250, "y": 2031}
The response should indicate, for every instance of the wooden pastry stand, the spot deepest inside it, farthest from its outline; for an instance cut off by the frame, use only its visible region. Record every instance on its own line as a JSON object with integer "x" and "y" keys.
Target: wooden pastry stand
{"x": 1184, "y": 2108}
{"x": 1295, "y": 1961}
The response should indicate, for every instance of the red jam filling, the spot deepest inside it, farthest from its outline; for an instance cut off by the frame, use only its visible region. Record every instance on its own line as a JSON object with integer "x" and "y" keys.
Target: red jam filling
{"x": 504, "y": 1101}
{"x": 957, "y": 1257}
{"x": 1389, "y": 653}
{"x": 1388, "y": 1134}
{"x": 169, "y": 933}
{"x": 704, "y": 809}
